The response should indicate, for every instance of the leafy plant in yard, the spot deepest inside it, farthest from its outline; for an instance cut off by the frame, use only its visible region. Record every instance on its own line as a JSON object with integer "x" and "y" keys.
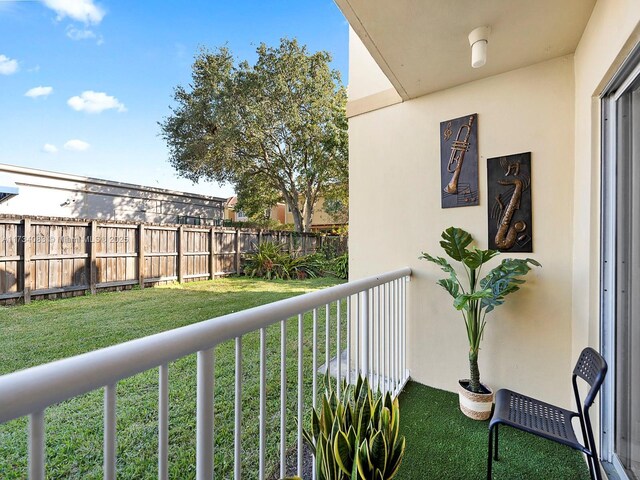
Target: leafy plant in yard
{"x": 272, "y": 262}
{"x": 306, "y": 266}
{"x": 357, "y": 436}
{"x": 340, "y": 266}
{"x": 266, "y": 261}
{"x": 481, "y": 295}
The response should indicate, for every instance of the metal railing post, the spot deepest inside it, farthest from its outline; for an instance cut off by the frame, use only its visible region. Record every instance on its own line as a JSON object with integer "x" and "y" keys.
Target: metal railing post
{"x": 364, "y": 337}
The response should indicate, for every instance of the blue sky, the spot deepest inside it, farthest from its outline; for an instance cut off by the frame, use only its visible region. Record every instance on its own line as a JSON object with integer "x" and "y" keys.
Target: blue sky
{"x": 83, "y": 83}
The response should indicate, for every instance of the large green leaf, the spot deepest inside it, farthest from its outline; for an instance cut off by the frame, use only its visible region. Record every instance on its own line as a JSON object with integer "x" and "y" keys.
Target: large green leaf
{"x": 363, "y": 459}
{"x": 396, "y": 458}
{"x": 378, "y": 451}
{"x": 450, "y": 286}
{"x": 475, "y": 258}
{"x": 342, "y": 450}
{"x": 326, "y": 417}
{"x": 442, "y": 262}
{"x": 455, "y": 242}
{"x": 504, "y": 279}
{"x": 461, "y": 302}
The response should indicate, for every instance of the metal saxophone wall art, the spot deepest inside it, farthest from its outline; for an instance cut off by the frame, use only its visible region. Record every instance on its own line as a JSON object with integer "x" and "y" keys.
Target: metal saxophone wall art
{"x": 459, "y": 161}
{"x": 510, "y": 223}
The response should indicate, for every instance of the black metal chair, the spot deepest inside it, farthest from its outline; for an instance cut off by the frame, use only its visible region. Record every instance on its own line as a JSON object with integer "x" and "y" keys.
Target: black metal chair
{"x": 551, "y": 422}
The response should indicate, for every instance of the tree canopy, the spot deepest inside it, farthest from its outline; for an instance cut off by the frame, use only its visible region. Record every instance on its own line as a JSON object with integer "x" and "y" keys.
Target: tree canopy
{"x": 276, "y": 130}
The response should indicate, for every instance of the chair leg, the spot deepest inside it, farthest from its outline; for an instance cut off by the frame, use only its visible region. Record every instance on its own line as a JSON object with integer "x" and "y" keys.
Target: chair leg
{"x": 495, "y": 449}
{"x": 490, "y": 455}
{"x": 594, "y": 468}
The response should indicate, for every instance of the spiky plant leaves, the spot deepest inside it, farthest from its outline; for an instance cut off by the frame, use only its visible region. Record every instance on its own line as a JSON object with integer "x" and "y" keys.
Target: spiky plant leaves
{"x": 396, "y": 459}
{"x": 326, "y": 415}
{"x": 342, "y": 450}
{"x": 395, "y": 421}
{"x": 359, "y": 419}
{"x": 364, "y": 461}
{"x": 378, "y": 451}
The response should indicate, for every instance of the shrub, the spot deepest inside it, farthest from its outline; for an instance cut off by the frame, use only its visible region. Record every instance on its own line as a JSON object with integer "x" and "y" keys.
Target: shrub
{"x": 340, "y": 266}
{"x": 267, "y": 261}
{"x": 272, "y": 262}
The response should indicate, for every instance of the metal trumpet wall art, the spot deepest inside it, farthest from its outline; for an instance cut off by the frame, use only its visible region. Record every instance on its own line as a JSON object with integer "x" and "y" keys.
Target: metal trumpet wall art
{"x": 459, "y": 161}
{"x": 509, "y": 191}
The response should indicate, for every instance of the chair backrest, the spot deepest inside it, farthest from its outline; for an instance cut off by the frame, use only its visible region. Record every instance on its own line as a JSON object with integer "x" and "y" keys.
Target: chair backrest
{"x": 592, "y": 368}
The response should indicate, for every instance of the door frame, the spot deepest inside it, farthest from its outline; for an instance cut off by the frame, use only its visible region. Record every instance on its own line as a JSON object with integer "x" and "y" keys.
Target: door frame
{"x": 622, "y": 80}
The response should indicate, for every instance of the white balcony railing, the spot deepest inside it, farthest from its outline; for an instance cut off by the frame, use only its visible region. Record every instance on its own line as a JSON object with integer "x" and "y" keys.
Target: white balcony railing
{"x": 370, "y": 313}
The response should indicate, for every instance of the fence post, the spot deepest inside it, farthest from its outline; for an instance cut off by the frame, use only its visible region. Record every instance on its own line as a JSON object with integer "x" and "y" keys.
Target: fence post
{"x": 27, "y": 246}
{"x": 93, "y": 267}
{"x": 180, "y": 265}
{"x": 212, "y": 253}
{"x": 236, "y": 242}
{"x": 364, "y": 338}
{"x": 141, "y": 255}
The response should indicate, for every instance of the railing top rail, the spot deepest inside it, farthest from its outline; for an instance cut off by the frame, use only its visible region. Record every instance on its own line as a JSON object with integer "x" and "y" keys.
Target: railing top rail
{"x": 34, "y": 389}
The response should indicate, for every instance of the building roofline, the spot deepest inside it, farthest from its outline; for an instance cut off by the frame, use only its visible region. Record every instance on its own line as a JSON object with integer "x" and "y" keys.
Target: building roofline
{"x": 4, "y": 167}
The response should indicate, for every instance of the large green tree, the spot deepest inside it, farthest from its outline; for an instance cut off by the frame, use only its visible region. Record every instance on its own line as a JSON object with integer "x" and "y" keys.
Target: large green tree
{"x": 275, "y": 130}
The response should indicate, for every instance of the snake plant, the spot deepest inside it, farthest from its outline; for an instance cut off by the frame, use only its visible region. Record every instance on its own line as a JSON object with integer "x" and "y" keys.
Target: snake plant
{"x": 480, "y": 296}
{"x": 356, "y": 436}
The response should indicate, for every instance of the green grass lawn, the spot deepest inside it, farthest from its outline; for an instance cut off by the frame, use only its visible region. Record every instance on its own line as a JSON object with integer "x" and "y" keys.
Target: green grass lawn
{"x": 444, "y": 444}
{"x": 48, "y": 330}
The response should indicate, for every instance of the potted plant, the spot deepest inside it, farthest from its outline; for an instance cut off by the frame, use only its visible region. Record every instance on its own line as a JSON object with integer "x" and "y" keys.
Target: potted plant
{"x": 475, "y": 301}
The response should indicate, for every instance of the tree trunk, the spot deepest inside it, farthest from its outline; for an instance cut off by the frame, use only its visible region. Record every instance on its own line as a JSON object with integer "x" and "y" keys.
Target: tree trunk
{"x": 474, "y": 380}
{"x": 297, "y": 219}
{"x": 308, "y": 215}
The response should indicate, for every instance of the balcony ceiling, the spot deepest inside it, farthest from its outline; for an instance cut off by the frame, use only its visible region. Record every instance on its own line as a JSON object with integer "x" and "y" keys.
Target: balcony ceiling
{"x": 422, "y": 45}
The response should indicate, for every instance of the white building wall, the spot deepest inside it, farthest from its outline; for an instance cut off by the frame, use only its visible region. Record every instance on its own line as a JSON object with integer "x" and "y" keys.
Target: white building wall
{"x": 59, "y": 195}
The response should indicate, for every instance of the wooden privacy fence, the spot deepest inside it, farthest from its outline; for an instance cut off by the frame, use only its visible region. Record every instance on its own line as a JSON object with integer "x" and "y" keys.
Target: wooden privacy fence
{"x": 47, "y": 258}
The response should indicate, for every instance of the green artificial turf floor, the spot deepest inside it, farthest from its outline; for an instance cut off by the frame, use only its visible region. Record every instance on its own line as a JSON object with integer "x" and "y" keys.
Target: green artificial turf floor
{"x": 444, "y": 444}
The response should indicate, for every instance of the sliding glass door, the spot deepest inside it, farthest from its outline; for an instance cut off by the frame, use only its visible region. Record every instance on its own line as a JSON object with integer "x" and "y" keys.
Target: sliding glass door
{"x": 621, "y": 275}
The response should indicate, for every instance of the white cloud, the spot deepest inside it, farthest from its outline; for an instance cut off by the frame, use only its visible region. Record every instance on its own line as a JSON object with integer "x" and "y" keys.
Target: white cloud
{"x": 76, "y": 145}
{"x": 95, "y": 102}
{"x": 81, "y": 10}
{"x": 8, "y": 65}
{"x": 79, "y": 34}
{"x": 39, "y": 92}
{"x": 49, "y": 148}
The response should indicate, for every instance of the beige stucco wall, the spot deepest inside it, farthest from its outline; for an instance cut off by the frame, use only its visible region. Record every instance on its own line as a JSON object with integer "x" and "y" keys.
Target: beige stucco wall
{"x": 528, "y": 340}
{"x": 365, "y": 76}
{"x": 369, "y": 88}
{"x": 612, "y": 32}
{"x": 553, "y": 110}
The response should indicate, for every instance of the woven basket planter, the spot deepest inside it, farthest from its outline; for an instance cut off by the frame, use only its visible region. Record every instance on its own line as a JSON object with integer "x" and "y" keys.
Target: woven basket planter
{"x": 475, "y": 405}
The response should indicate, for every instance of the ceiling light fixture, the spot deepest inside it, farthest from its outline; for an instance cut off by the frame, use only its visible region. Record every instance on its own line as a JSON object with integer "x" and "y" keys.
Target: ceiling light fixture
{"x": 478, "y": 40}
